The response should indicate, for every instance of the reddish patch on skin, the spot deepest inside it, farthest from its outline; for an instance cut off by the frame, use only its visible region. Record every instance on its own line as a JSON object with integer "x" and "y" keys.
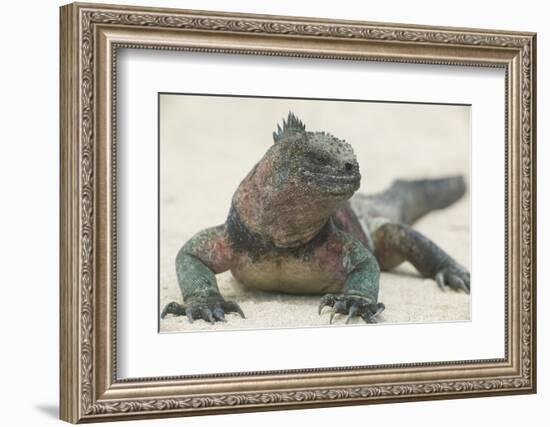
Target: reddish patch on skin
{"x": 329, "y": 257}
{"x": 212, "y": 247}
{"x": 222, "y": 255}
{"x": 346, "y": 220}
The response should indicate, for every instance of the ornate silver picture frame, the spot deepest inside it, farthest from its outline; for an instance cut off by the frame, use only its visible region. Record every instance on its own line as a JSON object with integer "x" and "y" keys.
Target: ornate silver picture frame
{"x": 92, "y": 36}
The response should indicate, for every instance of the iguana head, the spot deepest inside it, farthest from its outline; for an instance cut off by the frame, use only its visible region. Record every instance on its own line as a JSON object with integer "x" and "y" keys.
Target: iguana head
{"x": 292, "y": 192}
{"x": 316, "y": 161}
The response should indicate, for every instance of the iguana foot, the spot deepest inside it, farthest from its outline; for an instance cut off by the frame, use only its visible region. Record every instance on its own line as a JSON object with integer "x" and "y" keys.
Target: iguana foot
{"x": 353, "y": 306}
{"x": 211, "y": 312}
{"x": 454, "y": 276}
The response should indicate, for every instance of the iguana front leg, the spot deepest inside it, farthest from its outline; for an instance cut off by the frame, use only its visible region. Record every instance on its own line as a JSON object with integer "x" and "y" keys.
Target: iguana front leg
{"x": 360, "y": 292}
{"x": 198, "y": 261}
{"x": 396, "y": 242}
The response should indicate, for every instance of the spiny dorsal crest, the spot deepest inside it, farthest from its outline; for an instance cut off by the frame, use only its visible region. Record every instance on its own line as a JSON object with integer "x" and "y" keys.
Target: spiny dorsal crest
{"x": 291, "y": 126}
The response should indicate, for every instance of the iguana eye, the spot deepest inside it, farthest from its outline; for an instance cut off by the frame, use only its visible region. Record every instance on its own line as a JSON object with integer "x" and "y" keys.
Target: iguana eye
{"x": 319, "y": 160}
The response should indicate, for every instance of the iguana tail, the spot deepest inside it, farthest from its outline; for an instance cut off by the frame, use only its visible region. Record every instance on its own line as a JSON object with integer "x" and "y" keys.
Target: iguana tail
{"x": 407, "y": 201}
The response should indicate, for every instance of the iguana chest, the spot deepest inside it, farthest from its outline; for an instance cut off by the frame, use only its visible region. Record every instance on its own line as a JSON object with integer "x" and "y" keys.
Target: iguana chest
{"x": 315, "y": 267}
{"x": 290, "y": 274}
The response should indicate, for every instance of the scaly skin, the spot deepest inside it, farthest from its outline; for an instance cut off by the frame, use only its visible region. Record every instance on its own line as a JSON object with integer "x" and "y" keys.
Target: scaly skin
{"x": 290, "y": 228}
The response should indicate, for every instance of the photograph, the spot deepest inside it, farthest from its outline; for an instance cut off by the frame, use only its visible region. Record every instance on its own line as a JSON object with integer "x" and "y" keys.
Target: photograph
{"x": 292, "y": 212}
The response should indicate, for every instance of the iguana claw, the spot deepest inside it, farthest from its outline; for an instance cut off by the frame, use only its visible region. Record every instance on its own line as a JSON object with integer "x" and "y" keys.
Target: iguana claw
{"x": 173, "y": 308}
{"x": 219, "y": 314}
{"x": 353, "y": 306}
{"x": 212, "y": 313}
{"x": 351, "y": 313}
{"x": 327, "y": 300}
{"x": 233, "y": 307}
{"x": 455, "y": 277}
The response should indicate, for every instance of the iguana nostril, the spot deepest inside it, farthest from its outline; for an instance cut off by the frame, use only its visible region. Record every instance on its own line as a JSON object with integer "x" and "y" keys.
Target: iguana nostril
{"x": 349, "y": 167}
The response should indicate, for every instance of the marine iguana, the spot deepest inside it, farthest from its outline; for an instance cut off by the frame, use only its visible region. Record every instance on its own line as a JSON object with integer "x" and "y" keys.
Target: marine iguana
{"x": 293, "y": 226}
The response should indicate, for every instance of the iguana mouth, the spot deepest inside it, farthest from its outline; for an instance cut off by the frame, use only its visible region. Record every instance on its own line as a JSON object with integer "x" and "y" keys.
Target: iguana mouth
{"x": 335, "y": 184}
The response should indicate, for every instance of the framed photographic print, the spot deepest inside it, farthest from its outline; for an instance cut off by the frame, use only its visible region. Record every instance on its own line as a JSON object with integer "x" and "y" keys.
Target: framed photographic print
{"x": 215, "y": 138}
{"x": 266, "y": 212}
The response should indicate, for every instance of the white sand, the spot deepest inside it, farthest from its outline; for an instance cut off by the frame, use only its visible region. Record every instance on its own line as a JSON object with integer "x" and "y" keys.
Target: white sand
{"x": 209, "y": 144}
